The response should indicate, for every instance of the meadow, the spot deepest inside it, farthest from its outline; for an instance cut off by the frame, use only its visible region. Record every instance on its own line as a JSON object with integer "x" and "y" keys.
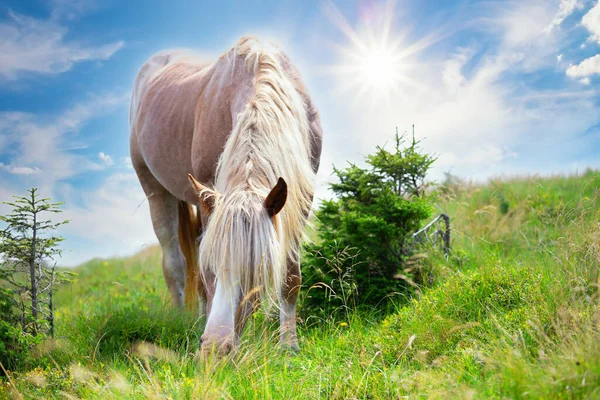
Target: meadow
{"x": 513, "y": 312}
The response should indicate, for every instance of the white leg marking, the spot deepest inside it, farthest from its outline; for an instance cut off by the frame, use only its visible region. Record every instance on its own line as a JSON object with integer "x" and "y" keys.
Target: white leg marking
{"x": 287, "y": 320}
{"x": 219, "y": 331}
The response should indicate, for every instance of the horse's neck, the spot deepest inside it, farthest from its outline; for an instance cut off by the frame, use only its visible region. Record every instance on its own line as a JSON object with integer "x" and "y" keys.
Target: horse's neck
{"x": 269, "y": 136}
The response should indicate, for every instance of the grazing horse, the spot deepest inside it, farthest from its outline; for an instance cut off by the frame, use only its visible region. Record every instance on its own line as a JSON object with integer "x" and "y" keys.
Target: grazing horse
{"x": 227, "y": 153}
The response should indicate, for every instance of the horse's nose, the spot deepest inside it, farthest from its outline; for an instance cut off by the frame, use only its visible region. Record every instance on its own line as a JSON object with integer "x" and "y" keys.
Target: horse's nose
{"x": 227, "y": 347}
{"x": 207, "y": 346}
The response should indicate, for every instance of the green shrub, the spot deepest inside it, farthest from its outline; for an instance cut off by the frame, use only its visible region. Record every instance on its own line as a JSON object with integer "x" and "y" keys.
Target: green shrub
{"x": 14, "y": 343}
{"x": 362, "y": 233}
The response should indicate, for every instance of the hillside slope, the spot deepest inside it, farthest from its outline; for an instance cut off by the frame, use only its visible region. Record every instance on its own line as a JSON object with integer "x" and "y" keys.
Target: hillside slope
{"x": 513, "y": 314}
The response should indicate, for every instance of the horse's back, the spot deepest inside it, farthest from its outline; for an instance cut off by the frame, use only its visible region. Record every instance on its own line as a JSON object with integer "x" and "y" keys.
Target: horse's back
{"x": 165, "y": 93}
{"x": 183, "y": 110}
{"x": 147, "y": 70}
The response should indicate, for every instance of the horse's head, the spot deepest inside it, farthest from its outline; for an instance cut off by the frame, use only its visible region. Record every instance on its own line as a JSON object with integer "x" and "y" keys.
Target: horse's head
{"x": 241, "y": 247}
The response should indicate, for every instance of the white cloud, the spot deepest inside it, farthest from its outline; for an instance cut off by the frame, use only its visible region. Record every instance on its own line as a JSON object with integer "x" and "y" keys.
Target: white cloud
{"x": 40, "y": 46}
{"x": 589, "y": 66}
{"x": 127, "y": 162}
{"x": 105, "y": 158}
{"x": 591, "y": 21}
{"x": 70, "y": 9}
{"x": 452, "y": 73}
{"x": 559, "y": 58}
{"x": 525, "y": 28}
{"x": 521, "y": 23}
{"x": 6, "y": 194}
{"x": 20, "y": 169}
{"x": 109, "y": 208}
{"x": 566, "y": 8}
{"x": 48, "y": 143}
{"x": 487, "y": 154}
{"x": 113, "y": 221}
{"x": 8, "y": 121}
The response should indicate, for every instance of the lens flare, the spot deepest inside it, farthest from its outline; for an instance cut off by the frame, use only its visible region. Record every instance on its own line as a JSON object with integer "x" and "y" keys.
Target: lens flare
{"x": 376, "y": 63}
{"x": 378, "y": 67}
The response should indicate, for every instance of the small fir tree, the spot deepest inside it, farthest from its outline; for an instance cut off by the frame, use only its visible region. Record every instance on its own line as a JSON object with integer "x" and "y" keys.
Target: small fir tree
{"x": 376, "y": 210}
{"x": 27, "y": 266}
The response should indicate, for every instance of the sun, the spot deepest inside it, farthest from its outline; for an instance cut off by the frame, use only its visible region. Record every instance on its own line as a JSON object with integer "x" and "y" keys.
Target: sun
{"x": 379, "y": 67}
{"x": 376, "y": 64}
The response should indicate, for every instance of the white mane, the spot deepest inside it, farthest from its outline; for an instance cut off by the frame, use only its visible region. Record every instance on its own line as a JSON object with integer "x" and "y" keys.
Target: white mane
{"x": 270, "y": 139}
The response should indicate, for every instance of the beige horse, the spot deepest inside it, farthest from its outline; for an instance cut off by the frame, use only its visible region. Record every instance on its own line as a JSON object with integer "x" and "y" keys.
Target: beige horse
{"x": 246, "y": 128}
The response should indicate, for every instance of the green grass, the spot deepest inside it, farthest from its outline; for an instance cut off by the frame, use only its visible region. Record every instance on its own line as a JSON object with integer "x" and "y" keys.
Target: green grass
{"x": 513, "y": 313}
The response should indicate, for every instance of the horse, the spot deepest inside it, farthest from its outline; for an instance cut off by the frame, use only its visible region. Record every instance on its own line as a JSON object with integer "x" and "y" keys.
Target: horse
{"x": 227, "y": 153}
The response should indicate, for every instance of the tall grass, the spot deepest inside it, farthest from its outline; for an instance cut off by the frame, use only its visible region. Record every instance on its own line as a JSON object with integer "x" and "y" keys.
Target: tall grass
{"x": 513, "y": 313}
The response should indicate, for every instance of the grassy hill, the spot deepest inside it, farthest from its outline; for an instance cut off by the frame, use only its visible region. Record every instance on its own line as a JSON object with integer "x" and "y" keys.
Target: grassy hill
{"x": 513, "y": 313}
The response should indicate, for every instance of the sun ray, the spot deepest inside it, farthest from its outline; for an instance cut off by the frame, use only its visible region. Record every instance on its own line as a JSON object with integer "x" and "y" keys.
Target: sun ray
{"x": 377, "y": 63}
{"x": 342, "y": 24}
{"x": 421, "y": 44}
{"x": 387, "y": 20}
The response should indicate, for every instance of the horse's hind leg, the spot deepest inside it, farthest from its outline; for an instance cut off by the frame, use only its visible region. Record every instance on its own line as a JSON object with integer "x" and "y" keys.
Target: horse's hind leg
{"x": 287, "y": 315}
{"x": 164, "y": 213}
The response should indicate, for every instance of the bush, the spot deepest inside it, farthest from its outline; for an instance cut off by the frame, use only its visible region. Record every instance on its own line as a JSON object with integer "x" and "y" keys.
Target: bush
{"x": 14, "y": 343}
{"x": 362, "y": 233}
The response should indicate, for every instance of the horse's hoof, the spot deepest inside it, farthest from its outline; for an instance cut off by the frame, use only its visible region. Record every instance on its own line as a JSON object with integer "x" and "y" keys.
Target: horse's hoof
{"x": 290, "y": 349}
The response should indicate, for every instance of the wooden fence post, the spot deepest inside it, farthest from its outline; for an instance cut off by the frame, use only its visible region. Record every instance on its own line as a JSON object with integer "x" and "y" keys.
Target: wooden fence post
{"x": 446, "y": 234}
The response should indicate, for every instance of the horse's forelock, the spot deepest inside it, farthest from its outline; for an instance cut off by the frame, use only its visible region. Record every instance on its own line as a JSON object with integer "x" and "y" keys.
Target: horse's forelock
{"x": 241, "y": 245}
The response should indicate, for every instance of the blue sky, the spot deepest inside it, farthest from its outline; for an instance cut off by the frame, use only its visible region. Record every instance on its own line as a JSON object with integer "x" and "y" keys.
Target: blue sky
{"x": 495, "y": 88}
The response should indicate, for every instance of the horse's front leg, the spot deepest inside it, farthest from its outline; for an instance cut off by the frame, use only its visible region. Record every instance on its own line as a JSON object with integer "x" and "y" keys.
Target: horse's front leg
{"x": 288, "y": 336}
{"x": 164, "y": 213}
{"x": 219, "y": 333}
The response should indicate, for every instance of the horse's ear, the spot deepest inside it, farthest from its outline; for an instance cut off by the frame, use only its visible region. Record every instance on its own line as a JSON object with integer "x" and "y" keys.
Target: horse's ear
{"x": 276, "y": 198}
{"x": 206, "y": 196}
